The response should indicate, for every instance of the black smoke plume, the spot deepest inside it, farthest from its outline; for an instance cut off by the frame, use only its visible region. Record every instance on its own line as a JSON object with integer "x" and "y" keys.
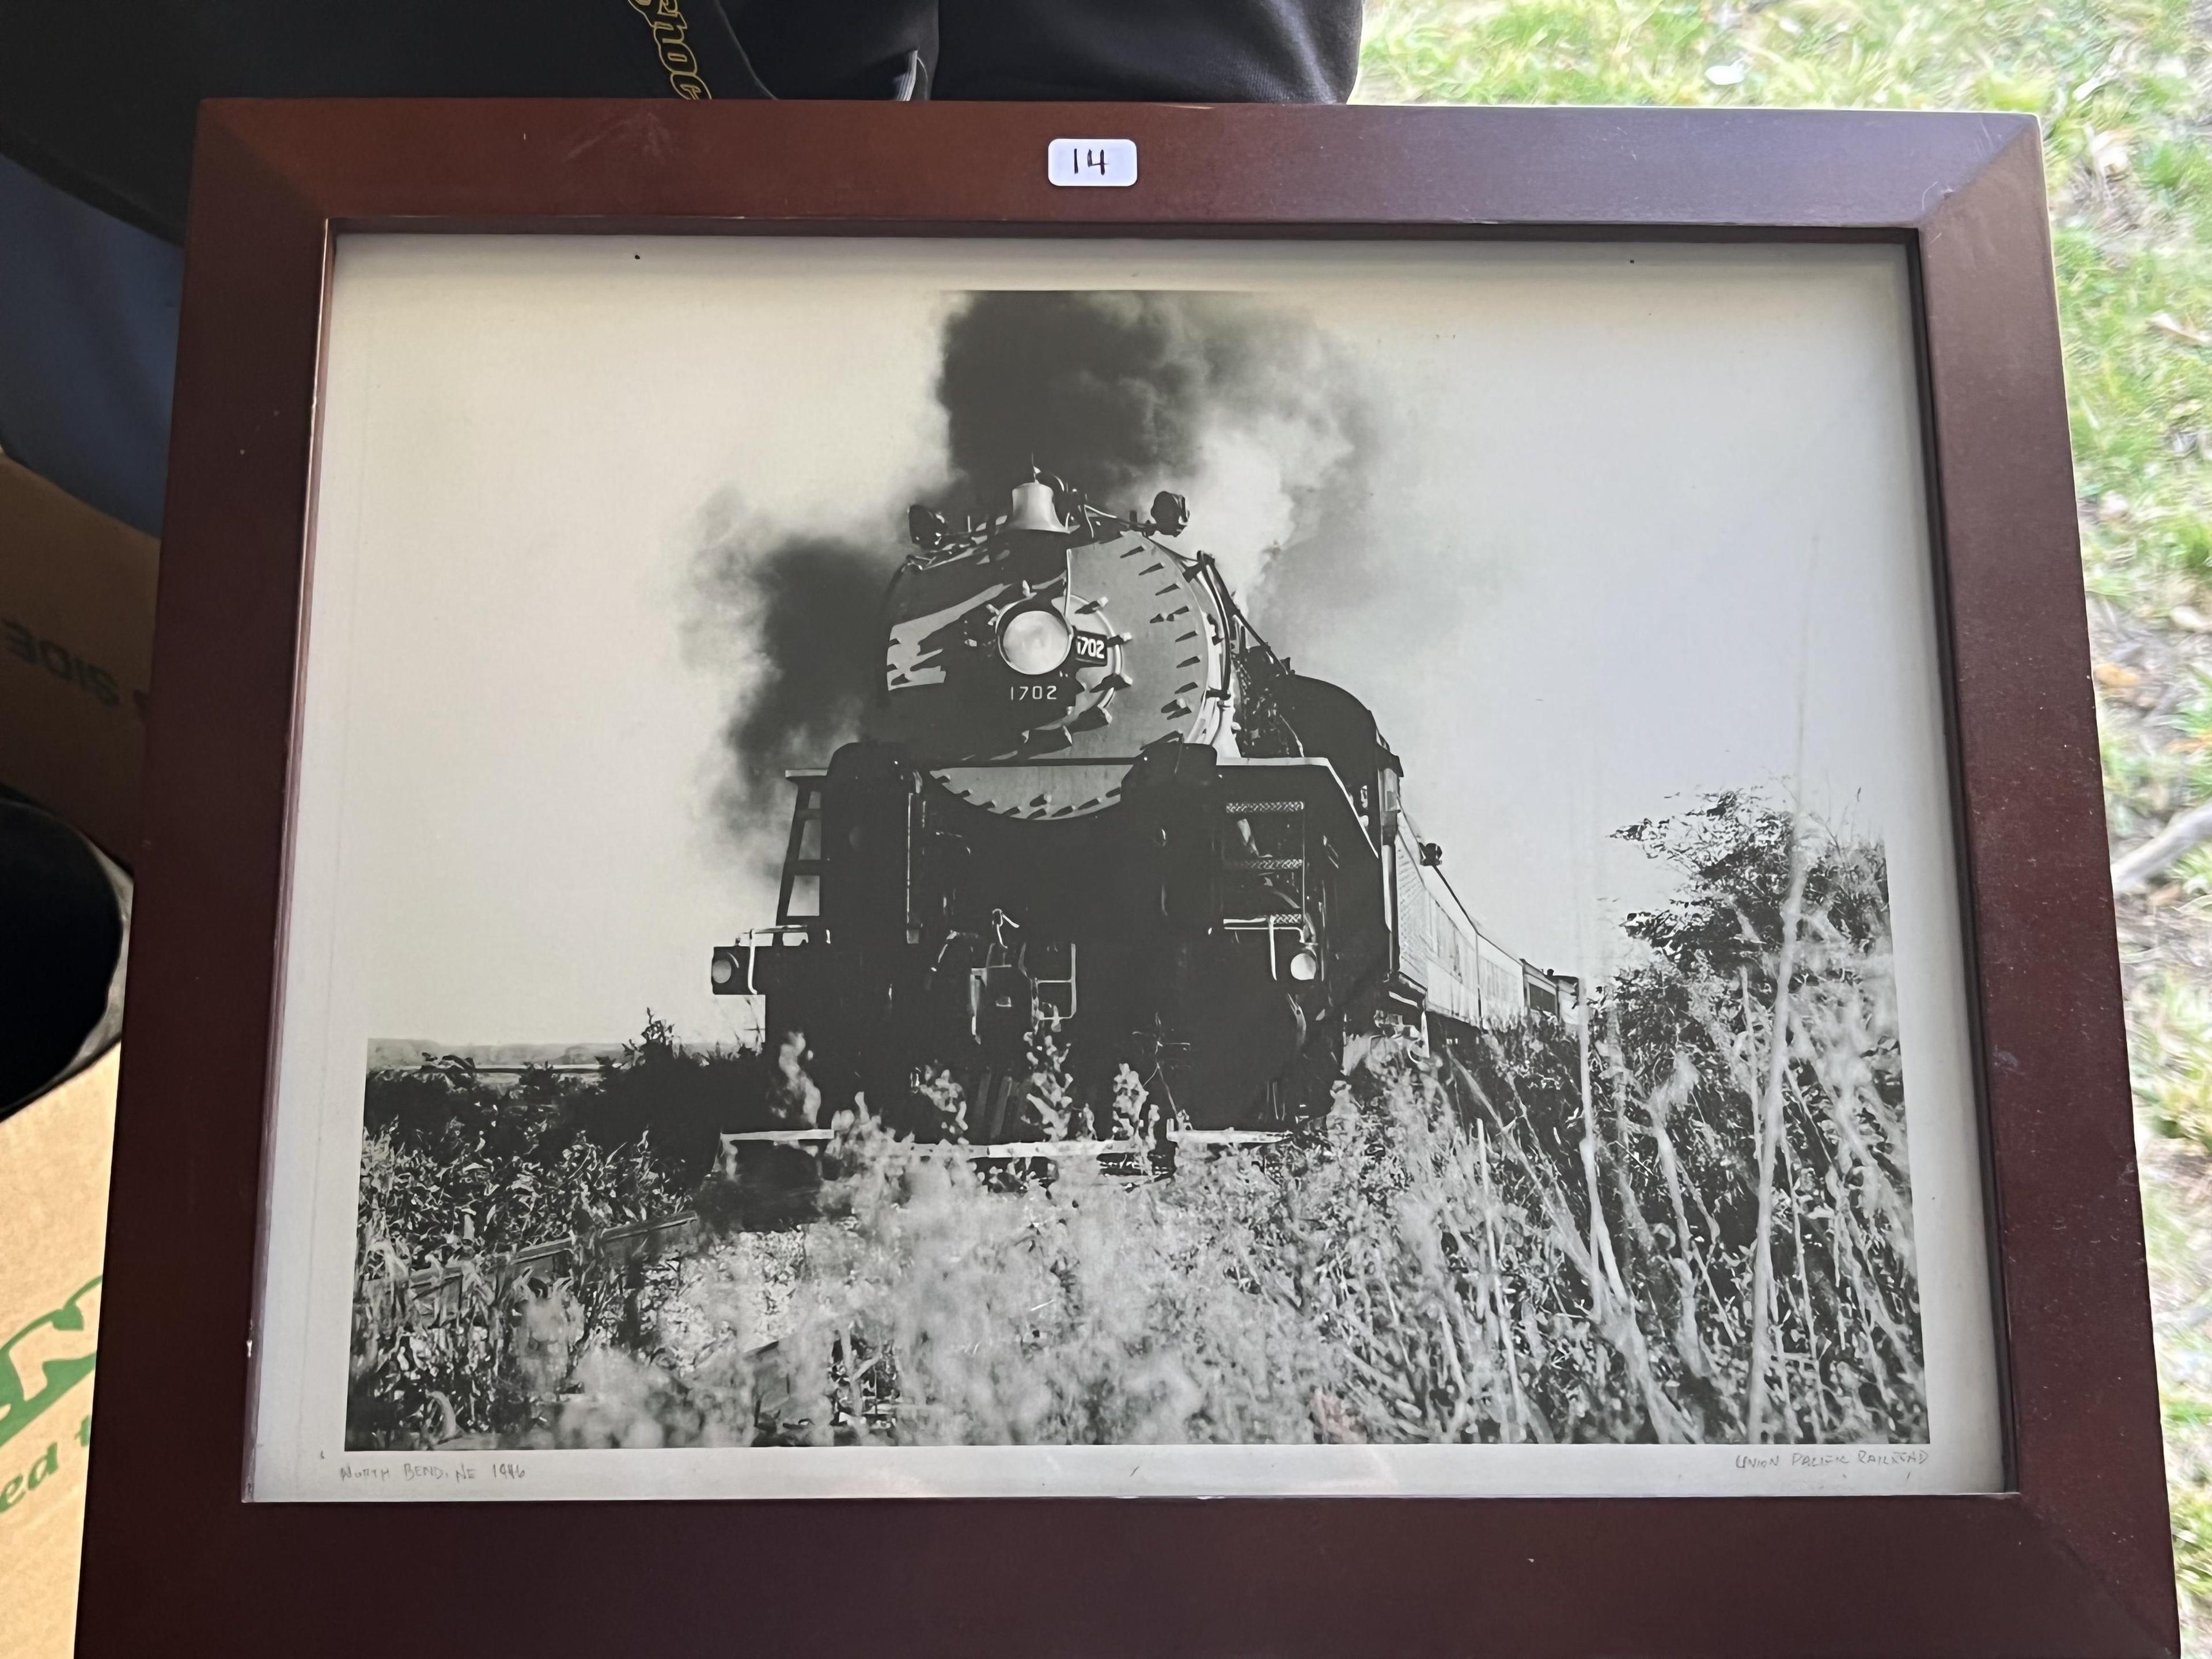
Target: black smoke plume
{"x": 808, "y": 611}
{"x": 1112, "y": 391}
{"x": 1116, "y": 392}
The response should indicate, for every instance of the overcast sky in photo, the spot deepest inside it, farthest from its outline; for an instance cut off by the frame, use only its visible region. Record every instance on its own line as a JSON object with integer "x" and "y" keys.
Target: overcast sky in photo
{"x": 1599, "y": 530}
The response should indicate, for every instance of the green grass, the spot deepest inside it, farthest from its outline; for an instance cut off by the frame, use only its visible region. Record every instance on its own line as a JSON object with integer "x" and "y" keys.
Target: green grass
{"x": 2181, "y": 1254}
{"x": 2171, "y": 1059}
{"x": 2123, "y": 92}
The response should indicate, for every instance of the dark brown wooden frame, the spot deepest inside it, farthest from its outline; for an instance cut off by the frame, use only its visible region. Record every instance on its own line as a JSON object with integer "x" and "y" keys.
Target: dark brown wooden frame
{"x": 2073, "y": 1560}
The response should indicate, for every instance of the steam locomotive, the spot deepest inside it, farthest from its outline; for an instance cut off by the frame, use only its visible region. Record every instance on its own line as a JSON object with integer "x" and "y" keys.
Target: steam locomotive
{"x": 1091, "y": 804}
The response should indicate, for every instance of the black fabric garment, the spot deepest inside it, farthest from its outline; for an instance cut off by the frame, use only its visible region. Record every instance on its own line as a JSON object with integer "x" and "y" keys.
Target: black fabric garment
{"x": 836, "y": 48}
{"x": 1206, "y": 52}
{"x": 1225, "y": 51}
{"x": 100, "y": 99}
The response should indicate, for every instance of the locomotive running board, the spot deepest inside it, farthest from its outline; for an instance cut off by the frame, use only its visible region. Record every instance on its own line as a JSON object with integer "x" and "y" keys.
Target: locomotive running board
{"x": 1307, "y": 780}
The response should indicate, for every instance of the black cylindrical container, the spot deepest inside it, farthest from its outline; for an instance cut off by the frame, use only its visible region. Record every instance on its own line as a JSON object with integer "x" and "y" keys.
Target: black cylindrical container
{"x": 64, "y": 916}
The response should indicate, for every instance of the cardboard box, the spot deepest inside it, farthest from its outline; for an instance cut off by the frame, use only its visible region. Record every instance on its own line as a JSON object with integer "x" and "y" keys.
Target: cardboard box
{"x": 76, "y": 638}
{"x": 53, "y": 1218}
{"x": 76, "y": 646}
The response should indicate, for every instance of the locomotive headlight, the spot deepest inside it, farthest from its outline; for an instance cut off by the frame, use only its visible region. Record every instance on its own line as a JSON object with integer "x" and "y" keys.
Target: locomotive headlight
{"x": 1305, "y": 964}
{"x": 723, "y": 969}
{"x": 1035, "y": 639}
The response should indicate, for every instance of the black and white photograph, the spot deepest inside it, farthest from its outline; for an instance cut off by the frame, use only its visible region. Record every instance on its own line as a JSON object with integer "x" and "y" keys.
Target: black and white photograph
{"x": 946, "y": 869}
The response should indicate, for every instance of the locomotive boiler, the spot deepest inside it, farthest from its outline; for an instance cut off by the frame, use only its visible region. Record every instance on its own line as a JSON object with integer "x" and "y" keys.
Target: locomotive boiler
{"x": 1091, "y": 805}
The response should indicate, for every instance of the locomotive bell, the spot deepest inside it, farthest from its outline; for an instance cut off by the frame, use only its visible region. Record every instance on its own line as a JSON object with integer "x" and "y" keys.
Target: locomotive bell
{"x": 1034, "y": 508}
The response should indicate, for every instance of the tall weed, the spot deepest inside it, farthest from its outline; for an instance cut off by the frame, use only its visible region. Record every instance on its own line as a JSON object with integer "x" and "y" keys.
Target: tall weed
{"x": 1710, "y": 1242}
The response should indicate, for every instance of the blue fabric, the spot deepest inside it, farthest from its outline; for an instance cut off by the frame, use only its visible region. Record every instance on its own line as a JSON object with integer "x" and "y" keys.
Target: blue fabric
{"x": 88, "y": 348}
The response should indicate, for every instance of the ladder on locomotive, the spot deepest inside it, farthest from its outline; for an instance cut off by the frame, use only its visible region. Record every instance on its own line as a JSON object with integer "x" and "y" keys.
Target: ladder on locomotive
{"x": 1257, "y": 884}
{"x": 798, "y": 865}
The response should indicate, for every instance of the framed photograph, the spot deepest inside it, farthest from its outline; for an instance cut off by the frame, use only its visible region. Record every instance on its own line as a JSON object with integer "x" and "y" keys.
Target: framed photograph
{"x": 867, "y": 826}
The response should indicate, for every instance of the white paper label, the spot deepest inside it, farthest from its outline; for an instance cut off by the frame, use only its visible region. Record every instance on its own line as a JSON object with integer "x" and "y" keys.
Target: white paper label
{"x": 1091, "y": 161}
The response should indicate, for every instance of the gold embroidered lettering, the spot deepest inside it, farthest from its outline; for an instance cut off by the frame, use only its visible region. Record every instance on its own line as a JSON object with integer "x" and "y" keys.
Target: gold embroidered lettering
{"x": 672, "y": 44}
